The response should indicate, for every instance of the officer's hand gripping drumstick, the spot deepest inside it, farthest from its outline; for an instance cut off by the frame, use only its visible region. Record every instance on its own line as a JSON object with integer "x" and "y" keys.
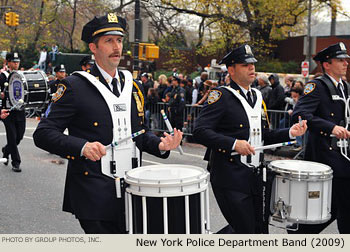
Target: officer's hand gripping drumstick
{"x": 119, "y": 181}
{"x": 170, "y": 128}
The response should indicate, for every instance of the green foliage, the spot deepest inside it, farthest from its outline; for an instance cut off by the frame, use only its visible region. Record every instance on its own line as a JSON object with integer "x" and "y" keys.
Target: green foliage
{"x": 276, "y": 66}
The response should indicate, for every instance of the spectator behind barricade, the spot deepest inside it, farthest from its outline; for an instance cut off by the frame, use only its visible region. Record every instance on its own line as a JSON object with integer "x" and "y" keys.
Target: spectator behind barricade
{"x": 289, "y": 81}
{"x": 208, "y": 85}
{"x": 194, "y": 93}
{"x": 42, "y": 59}
{"x": 167, "y": 97}
{"x": 153, "y": 99}
{"x": 298, "y": 84}
{"x": 150, "y": 79}
{"x": 162, "y": 85}
{"x": 169, "y": 86}
{"x": 264, "y": 86}
{"x": 54, "y": 52}
{"x": 203, "y": 78}
{"x": 189, "y": 90}
{"x": 146, "y": 86}
{"x": 223, "y": 73}
{"x": 276, "y": 101}
{"x": 35, "y": 66}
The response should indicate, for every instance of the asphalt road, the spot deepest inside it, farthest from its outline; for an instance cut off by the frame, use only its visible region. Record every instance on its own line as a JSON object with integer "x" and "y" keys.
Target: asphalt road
{"x": 31, "y": 201}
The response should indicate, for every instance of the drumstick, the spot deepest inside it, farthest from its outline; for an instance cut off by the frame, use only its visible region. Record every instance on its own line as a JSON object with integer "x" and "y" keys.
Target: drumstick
{"x": 170, "y": 128}
{"x": 18, "y": 105}
{"x": 271, "y": 146}
{"x": 300, "y": 122}
{"x": 133, "y": 135}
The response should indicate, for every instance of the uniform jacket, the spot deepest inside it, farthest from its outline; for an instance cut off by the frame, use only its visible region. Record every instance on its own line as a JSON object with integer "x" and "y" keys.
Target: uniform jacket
{"x": 218, "y": 126}
{"x": 322, "y": 114}
{"x": 177, "y": 100}
{"x": 83, "y": 111}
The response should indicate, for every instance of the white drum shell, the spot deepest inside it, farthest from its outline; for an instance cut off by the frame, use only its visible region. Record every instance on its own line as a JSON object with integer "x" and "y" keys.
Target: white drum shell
{"x": 306, "y": 187}
{"x": 166, "y": 180}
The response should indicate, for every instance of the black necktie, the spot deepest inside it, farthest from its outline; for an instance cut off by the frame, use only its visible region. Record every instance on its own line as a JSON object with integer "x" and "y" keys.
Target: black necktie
{"x": 340, "y": 89}
{"x": 249, "y": 98}
{"x": 115, "y": 87}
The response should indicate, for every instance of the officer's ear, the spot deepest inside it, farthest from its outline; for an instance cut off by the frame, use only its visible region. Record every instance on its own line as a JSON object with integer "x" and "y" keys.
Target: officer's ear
{"x": 92, "y": 47}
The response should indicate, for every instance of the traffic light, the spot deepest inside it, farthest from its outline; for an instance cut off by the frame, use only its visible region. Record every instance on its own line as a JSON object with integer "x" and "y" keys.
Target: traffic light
{"x": 8, "y": 18}
{"x": 11, "y": 19}
{"x": 15, "y": 19}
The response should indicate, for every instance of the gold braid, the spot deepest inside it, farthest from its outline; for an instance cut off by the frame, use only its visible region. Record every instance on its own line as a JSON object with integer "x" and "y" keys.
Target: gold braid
{"x": 265, "y": 112}
{"x": 139, "y": 92}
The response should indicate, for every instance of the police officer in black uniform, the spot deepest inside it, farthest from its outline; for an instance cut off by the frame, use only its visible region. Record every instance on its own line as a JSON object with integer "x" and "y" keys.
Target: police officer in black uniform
{"x": 223, "y": 127}
{"x": 87, "y": 62}
{"x": 60, "y": 72}
{"x": 15, "y": 123}
{"x": 327, "y": 124}
{"x": 79, "y": 106}
{"x": 177, "y": 103}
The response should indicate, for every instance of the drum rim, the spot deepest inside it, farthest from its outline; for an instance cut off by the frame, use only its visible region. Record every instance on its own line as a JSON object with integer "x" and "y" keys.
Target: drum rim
{"x": 168, "y": 183}
{"x": 305, "y": 221}
{"x": 324, "y": 175}
{"x": 21, "y": 76}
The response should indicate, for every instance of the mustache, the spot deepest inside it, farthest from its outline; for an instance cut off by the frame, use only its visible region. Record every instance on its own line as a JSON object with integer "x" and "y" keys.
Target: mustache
{"x": 114, "y": 55}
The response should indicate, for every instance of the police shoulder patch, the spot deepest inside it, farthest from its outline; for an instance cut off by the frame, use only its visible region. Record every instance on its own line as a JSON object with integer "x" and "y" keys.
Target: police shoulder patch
{"x": 309, "y": 88}
{"x": 214, "y": 96}
{"x": 61, "y": 88}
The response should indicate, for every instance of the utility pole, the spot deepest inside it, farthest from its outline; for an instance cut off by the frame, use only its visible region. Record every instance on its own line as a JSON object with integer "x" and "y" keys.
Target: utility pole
{"x": 137, "y": 38}
{"x": 308, "y": 54}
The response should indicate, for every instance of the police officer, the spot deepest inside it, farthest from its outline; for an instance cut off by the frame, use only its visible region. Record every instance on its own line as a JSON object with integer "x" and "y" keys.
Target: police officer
{"x": 177, "y": 103}
{"x": 15, "y": 123}
{"x": 87, "y": 62}
{"x": 60, "y": 72}
{"x": 225, "y": 124}
{"x": 83, "y": 108}
{"x": 325, "y": 114}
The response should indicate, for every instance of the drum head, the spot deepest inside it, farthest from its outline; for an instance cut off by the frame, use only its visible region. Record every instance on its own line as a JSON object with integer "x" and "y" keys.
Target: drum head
{"x": 166, "y": 180}
{"x": 301, "y": 169}
{"x": 16, "y": 88}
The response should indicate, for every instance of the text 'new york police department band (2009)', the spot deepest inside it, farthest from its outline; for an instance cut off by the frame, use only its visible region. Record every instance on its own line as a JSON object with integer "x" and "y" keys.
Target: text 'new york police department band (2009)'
{"x": 109, "y": 191}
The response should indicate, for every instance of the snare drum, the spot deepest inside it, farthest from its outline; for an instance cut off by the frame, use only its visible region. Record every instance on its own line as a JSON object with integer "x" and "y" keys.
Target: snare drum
{"x": 29, "y": 86}
{"x": 301, "y": 191}
{"x": 167, "y": 199}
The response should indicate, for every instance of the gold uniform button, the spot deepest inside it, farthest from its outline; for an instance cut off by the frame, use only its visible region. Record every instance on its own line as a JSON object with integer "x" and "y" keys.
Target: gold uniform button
{"x": 231, "y": 159}
{"x": 219, "y": 150}
{"x": 321, "y": 132}
{"x": 241, "y": 125}
{"x": 95, "y": 124}
{"x": 332, "y": 114}
{"x": 68, "y": 157}
{"x": 86, "y": 173}
{"x": 325, "y": 134}
{"x": 223, "y": 151}
{"x": 330, "y": 148}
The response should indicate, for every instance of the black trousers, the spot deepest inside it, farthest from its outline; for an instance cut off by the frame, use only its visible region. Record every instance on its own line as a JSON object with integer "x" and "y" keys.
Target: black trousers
{"x": 242, "y": 211}
{"x": 15, "y": 126}
{"x": 101, "y": 227}
{"x": 340, "y": 210}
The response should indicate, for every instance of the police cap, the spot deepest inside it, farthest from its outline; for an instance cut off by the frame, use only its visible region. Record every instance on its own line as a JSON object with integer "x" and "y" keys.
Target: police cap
{"x": 144, "y": 75}
{"x": 109, "y": 24}
{"x": 12, "y": 57}
{"x": 90, "y": 59}
{"x": 240, "y": 55}
{"x": 336, "y": 51}
{"x": 59, "y": 68}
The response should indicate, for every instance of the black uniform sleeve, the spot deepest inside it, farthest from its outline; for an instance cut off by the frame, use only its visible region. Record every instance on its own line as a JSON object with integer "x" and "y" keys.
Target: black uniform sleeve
{"x": 307, "y": 106}
{"x": 49, "y": 133}
{"x": 205, "y": 131}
